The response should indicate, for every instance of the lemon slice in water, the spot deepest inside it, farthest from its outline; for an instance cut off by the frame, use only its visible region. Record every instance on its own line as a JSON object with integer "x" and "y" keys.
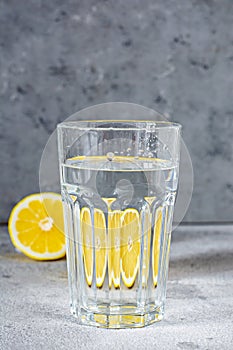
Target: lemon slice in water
{"x": 130, "y": 246}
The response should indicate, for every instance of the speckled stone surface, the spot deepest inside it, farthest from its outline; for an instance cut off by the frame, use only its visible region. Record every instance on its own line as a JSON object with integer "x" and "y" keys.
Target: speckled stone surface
{"x": 34, "y": 312}
{"x": 175, "y": 56}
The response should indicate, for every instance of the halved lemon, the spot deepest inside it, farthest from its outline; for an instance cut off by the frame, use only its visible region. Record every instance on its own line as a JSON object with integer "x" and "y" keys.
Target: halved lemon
{"x": 156, "y": 246}
{"x": 36, "y": 226}
{"x": 100, "y": 246}
{"x": 130, "y": 246}
{"x": 114, "y": 252}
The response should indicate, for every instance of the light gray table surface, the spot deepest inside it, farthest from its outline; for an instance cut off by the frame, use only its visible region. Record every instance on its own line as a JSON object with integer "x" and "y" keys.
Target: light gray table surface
{"x": 34, "y": 311}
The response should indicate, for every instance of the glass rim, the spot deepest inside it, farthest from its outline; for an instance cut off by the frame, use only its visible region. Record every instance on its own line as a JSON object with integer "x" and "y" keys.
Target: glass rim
{"x": 156, "y": 124}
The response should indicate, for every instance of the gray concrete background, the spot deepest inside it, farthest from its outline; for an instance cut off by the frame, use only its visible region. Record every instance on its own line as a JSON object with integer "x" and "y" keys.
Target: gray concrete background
{"x": 175, "y": 56}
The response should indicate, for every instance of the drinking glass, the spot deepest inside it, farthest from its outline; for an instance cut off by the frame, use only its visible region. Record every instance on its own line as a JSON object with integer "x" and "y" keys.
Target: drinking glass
{"x": 118, "y": 184}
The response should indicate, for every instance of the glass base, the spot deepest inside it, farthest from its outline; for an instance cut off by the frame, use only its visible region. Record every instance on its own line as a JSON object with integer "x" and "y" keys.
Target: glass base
{"x": 125, "y": 317}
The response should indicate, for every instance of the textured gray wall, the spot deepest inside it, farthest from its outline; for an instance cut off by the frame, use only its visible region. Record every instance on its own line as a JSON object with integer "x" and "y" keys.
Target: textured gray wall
{"x": 57, "y": 57}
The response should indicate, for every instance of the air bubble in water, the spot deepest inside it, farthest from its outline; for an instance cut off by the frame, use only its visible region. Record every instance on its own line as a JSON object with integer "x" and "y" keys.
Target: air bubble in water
{"x": 110, "y": 156}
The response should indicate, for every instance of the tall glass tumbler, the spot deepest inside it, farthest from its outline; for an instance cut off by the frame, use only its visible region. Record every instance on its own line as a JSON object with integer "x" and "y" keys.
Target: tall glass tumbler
{"x": 118, "y": 183}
